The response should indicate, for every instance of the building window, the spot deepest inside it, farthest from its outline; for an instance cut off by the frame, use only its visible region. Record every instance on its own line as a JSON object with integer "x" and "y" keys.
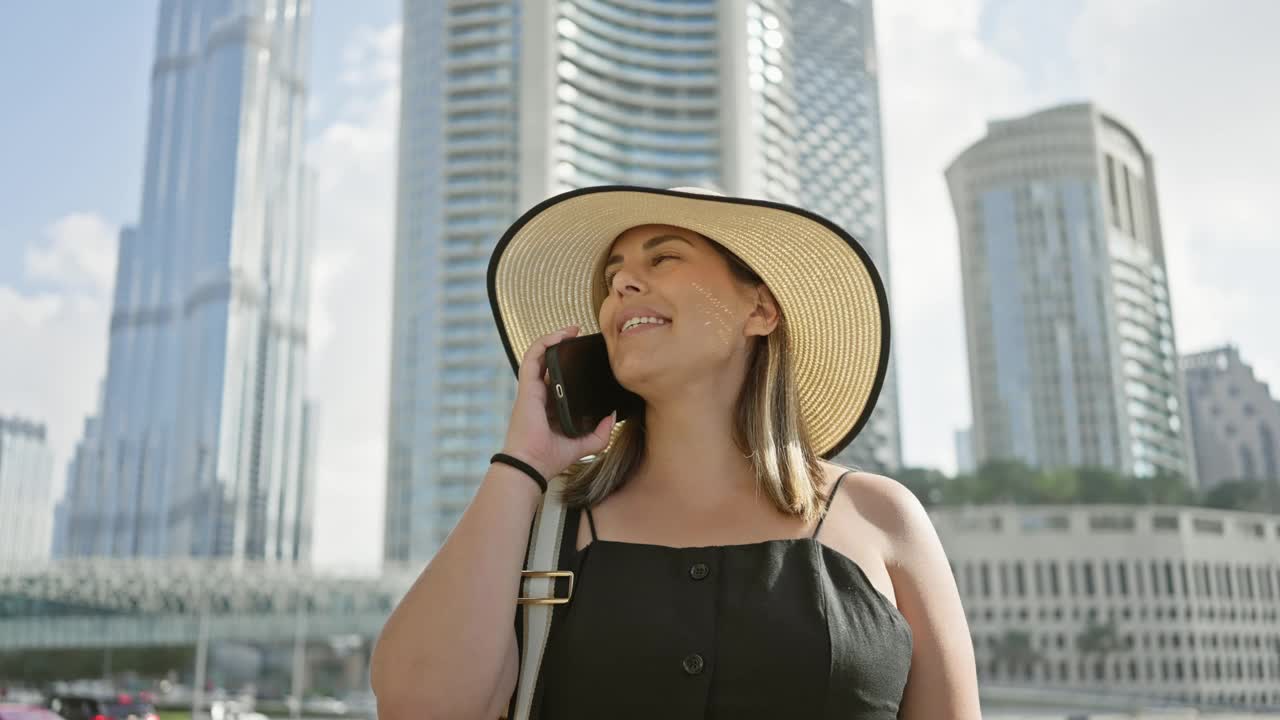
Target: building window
{"x": 1111, "y": 191}
{"x": 1128, "y": 197}
{"x": 1268, "y": 451}
{"x": 1247, "y": 469}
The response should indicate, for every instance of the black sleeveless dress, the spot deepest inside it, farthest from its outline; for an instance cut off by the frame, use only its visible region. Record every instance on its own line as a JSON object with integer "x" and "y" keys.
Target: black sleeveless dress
{"x": 784, "y": 628}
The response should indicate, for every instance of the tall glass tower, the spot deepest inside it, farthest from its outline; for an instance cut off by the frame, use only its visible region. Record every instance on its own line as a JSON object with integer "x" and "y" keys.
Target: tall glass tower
{"x": 201, "y": 441}
{"x": 505, "y": 102}
{"x": 1072, "y": 358}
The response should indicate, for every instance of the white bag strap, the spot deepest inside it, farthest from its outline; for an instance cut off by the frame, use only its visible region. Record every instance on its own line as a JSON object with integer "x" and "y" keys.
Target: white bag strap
{"x": 539, "y": 576}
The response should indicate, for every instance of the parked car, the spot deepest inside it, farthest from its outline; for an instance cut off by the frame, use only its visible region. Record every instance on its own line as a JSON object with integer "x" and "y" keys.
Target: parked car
{"x": 13, "y": 711}
{"x": 120, "y": 706}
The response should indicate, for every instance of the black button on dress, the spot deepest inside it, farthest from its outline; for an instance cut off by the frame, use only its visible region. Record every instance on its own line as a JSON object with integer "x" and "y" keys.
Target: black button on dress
{"x": 776, "y": 629}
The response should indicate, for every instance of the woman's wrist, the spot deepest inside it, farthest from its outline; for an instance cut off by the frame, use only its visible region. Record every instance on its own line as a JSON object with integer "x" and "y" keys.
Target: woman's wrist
{"x": 525, "y": 465}
{"x": 532, "y": 460}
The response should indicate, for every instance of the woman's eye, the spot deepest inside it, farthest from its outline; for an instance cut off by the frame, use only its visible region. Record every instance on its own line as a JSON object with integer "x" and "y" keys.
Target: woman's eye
{"x": 608, "y": 279}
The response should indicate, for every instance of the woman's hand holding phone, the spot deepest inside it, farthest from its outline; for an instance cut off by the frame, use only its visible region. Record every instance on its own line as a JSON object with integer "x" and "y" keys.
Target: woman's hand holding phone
{"x": 533, "y": 434}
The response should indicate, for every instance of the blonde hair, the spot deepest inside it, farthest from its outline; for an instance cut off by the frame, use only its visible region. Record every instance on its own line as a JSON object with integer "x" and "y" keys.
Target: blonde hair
{"x": 768, "y": 428}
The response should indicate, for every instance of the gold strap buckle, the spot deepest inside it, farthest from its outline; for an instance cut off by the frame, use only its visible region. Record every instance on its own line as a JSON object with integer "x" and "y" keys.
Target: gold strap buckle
{"x": 545, "y": 574}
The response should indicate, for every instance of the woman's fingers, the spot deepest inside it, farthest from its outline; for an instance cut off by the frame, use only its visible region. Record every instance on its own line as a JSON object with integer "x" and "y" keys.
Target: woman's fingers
{"x": 533, "y": 364}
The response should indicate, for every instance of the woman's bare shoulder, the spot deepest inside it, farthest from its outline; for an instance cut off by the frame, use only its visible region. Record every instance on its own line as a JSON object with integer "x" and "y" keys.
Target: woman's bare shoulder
{"x": 880, "y": 501}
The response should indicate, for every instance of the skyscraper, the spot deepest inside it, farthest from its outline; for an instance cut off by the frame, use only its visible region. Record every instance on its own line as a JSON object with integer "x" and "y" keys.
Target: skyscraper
{"x": 505, "y": 103}
{"x": 1072, "y": 358}
{"x": 26, "y": 492}
{"x": 199, "y": 444}
{"x": 1235, "y": 422}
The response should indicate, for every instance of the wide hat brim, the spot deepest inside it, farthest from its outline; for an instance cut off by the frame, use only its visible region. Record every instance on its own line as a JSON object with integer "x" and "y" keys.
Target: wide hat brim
{"x": 546, "y": 273}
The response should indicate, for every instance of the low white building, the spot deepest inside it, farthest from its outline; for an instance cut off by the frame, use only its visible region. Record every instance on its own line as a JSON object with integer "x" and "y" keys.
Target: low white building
{"x": 1193, "y": 595}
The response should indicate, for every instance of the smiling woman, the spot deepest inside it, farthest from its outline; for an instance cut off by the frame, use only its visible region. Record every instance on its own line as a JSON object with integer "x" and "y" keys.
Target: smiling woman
{"x": 696, "y": 582}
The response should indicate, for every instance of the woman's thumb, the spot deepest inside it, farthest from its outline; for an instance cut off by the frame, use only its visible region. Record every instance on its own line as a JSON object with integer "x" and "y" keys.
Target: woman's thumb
{"x": 605, "y": 428}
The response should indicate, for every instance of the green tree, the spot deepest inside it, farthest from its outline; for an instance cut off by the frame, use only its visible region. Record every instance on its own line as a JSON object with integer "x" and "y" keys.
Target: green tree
{"x": 928, "y": 484}
{"x": 1166, "y": 488}
{"x": 1099, "y": 640}
{"x": 1238, "y": 494}
{"x": 1102, "y": 486}
{"x": 1014, "y": 651}
{"x": 1003, "y": 481}
{"x": 1057, "y": 486}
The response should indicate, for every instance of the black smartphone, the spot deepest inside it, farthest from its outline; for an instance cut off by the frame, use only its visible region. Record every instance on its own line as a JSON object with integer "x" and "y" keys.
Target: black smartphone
{"x": 583, "y": 388}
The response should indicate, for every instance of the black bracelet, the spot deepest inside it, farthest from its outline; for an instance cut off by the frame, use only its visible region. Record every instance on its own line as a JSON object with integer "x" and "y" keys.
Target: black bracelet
{"x": 519, "y": 464}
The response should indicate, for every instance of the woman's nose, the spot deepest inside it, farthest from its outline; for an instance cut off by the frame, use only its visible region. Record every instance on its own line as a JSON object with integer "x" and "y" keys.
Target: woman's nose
{"x": 625, "y": 280}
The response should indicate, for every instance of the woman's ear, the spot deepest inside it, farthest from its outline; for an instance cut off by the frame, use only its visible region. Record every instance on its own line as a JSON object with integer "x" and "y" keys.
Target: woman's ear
{"x": 764, "y": 316}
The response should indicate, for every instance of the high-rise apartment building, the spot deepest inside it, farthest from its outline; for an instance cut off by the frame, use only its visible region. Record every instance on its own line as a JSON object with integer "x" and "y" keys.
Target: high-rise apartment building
{"x": 199, "y": 445}
{"x": 1072, "y": 358}
{"x": 506, "y": 102}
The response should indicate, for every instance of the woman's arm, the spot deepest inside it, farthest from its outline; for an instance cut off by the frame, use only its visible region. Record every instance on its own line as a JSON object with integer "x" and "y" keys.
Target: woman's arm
{"x": 943, "y": 681}
{"x": 448, "y": 649}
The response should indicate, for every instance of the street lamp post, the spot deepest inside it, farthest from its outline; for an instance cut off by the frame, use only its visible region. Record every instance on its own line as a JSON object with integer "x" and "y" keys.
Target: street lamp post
{"x": 202, "y": 650}
{"x": 299, "y": 654}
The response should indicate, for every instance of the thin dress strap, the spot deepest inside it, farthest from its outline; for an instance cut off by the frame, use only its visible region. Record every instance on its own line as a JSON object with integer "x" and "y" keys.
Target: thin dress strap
{"x": 592, "y": 522}
{"x": 830, "y": 498}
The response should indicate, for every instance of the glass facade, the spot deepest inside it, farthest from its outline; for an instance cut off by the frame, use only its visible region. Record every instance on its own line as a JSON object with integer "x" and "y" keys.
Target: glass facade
{"x": 1071, "y": 350}
{"x": 504, "y": 103}
{"x": 840, "y": 168}
{"x": 200, "y": 445}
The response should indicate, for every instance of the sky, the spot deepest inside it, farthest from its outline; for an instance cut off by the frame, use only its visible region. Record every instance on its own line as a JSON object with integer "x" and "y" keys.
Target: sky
{"x": 1200, "y": 95}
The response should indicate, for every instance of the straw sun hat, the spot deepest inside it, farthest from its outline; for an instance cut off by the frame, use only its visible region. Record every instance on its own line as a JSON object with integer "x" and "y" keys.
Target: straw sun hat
{"x": 546, "y": 273}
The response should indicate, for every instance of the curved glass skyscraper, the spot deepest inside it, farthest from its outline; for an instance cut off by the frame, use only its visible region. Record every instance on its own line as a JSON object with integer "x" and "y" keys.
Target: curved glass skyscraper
{"x": 202, "y": 442}
{"x": 504, "y": 103}
{"x": 1072, "y": 358}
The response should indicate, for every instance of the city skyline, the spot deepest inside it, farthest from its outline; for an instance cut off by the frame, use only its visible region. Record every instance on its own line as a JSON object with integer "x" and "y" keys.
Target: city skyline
{"x": 944, "y": 76}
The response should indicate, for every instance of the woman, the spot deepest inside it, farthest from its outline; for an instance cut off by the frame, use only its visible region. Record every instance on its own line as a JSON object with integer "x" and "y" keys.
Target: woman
{"x": 703, "y": 587}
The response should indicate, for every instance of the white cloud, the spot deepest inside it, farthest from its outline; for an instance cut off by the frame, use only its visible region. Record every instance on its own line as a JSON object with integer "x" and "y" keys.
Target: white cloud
{"x": 55, "y": 338}
{"x": 350, "y": 321}
{"x": 938, "y": 87}
{"x": 80, "y": 254}
{"x": 27, "y": 311}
